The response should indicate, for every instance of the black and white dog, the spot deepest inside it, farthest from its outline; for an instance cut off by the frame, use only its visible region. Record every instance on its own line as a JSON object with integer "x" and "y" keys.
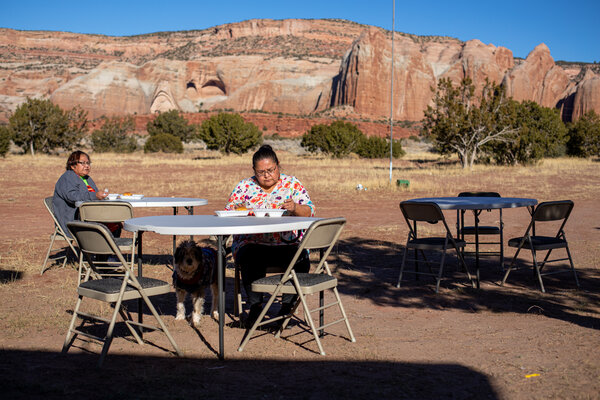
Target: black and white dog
{"x": 194, "y": 271}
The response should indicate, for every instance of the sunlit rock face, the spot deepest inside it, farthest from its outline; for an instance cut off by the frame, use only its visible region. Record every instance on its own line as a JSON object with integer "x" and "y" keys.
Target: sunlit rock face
{"x": 297, "y": 67}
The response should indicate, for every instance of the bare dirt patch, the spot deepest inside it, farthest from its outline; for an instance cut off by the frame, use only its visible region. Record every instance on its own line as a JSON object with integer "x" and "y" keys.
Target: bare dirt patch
{"x": 497, "y": 342}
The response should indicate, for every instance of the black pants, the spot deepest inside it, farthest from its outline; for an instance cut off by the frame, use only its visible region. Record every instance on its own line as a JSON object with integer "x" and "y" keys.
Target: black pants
{"x": 254, "y": 259}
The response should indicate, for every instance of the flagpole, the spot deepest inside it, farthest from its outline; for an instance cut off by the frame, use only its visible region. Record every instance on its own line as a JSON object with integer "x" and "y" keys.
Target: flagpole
{"x": 392, "y": 90}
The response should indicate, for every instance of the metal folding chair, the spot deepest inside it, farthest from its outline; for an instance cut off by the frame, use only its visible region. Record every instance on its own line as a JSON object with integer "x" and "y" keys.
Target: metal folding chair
{"x": 421, "y": 212}
{"x": 477, "y": 230}
{"x": 559, "y": 212}
{"x": 57, "y": 235}
{"x": 322, "y": 235}
{"x": 107, "y": 212}
{"x": 95, "y": 239}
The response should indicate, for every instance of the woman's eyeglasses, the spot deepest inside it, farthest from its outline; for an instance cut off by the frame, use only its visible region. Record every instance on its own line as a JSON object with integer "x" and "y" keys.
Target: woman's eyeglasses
{"x": 84, "y": 162}
{"x": 266, "y": 172}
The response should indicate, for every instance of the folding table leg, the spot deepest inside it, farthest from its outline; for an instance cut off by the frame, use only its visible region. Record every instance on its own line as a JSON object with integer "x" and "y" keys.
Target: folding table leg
{"x": 140, "y": 274}
{"x": 221, "y": 294}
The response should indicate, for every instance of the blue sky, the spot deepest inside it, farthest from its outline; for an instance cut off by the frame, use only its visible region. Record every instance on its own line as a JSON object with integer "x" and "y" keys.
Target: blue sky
{"x": 569, "y": 30}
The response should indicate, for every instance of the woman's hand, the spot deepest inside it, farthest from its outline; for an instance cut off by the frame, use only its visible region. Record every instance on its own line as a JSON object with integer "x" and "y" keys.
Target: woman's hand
{"x": 290, "y": 206}
{"x": 295, "y": 208}
{"x": 101, "y": 195}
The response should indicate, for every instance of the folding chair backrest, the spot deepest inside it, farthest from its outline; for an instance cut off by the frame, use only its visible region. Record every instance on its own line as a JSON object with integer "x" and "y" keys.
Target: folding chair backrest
{"x": 421, "y": 211}
{"x": 50, "y": 208}
{"x": 105, "y": 212}
{"x": 553, "y": 210}
{"x": 479, "y": 194}
{"x": 323, "y": 233}
{"x": 95, "y": 238}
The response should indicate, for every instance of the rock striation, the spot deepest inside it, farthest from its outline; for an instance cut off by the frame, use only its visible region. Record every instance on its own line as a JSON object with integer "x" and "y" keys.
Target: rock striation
{"x": 297, "y": 67}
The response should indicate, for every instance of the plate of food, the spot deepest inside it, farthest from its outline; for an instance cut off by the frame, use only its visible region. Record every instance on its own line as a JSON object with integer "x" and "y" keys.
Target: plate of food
{"x": 232, "y": 213}
{"x": 131, "y": 196}
{"x": 268, "y": 212}
{"x": 113, "y": 196}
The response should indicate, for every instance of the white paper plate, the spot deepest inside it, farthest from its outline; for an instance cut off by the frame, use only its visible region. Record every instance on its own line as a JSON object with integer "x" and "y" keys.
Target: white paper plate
{"x": 132, "y": 197}
{"x": 232, "y": 213}
{"x": 113, "y": 196}
{"x": 268, "y": 212}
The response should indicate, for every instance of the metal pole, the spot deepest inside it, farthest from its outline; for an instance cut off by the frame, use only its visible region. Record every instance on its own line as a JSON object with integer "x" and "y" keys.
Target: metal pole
{"x": 392, "y": 89}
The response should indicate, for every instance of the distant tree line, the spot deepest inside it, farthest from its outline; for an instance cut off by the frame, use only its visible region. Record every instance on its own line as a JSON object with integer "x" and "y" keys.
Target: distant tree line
{"x": 490, "y": 127}
{"x": 479, "y": 127}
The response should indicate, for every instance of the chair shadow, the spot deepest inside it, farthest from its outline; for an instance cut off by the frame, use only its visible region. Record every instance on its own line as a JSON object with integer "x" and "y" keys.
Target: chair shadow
{"x": 9, "y": 276}
{"x": 54, "y": 376}
{"x": 369, "y": 269}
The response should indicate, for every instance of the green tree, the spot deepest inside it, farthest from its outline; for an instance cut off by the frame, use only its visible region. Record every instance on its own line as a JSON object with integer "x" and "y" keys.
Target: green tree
{"x": 584, "y": 136}
{"x": 164, "y": 142}
{"x": 337, "y": 139}
{"x": 540, "y": 133}
{"x": 114, "y": 135}
{"x": 43, "y": 126}
{"x": 228, "y": 133}
{"x": 4, "y": 140}
{"x": 459, "y": 122}
{"x": 173, "y": 123}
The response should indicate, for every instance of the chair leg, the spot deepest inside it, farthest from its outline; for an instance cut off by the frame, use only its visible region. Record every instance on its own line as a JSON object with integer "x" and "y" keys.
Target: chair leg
{"x": 258, "y": 321}
{"x": 71, "y": 334}
{"x": 438, "y": 279}
{"x": 163, "y": 327}
{"x": 511, "y": 266}
{"x": 537, "y": 271}
{"x": 339, "y": 300}
{"x": 402, "y": 266}
{"x": 572, "y": 266}
{"x": 464, "y": 265}
{"x": 237, "y": 304}
{"x": 48, "y": 253}
{"x": 309, "y": 319}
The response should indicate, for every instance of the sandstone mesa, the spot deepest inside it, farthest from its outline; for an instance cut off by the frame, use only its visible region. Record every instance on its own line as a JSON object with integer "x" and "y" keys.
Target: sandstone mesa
{"x": 298, "y": 67}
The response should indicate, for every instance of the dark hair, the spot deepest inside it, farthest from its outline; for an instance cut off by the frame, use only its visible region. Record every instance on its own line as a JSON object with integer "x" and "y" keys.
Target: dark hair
{"x": 74, "y": 157}
{"x": 264, "y": 152}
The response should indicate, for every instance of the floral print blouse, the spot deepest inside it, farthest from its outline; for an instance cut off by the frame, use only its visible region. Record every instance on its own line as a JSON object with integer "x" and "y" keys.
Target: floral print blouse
{"x": 249, "y": 194}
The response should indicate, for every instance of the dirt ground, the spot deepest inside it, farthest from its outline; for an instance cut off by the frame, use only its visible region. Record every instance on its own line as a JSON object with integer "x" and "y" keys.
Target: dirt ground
{"x": 510, "y": 342}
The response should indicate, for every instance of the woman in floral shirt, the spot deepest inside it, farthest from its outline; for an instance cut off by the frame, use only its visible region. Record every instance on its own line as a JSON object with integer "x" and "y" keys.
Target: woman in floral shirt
{"x": 268, "y": 188}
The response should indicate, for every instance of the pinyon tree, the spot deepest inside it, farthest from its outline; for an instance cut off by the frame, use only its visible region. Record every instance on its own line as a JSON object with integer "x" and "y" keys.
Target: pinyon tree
{"x": 40, "y": 125}
{"x": 229, "y": 133}
{"x": 459, "y": 122}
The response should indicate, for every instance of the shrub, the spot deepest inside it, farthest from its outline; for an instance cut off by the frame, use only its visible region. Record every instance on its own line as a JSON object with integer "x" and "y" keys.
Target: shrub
{"x": 164, "y": 142}
{"x": 228, "y": 133}
{"x": 540, "y": 133}
{"x": 337, "y": 139}
{"x": 113, "y": 136}
{"x": 172, "y": 123}
{"x": 584, "y": 136}
{"x": 377, "y": 147}
{"x": 4, "y": 140}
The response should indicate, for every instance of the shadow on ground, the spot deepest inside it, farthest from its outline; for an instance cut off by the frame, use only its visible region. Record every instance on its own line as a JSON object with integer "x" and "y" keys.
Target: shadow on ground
{"x": 369, "y": 269}
{"x": 7, "y": 276}
{"x": 52, "y": 375}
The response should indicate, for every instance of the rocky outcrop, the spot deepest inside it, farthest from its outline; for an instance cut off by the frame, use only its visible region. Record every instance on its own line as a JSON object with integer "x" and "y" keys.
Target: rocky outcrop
{"x": 586, "y": 97}
{"x": 364, "y": 80}
{"x": 297, "y": 67}
{"x": 480, "y": 62}
{"x": 537, "y": 79}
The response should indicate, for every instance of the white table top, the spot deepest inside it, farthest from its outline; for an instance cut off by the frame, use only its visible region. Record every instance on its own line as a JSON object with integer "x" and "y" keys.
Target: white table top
{"x": 478, "y": 203}
{"x": 160, "y": 202}
{"x": 213, "y": 225}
